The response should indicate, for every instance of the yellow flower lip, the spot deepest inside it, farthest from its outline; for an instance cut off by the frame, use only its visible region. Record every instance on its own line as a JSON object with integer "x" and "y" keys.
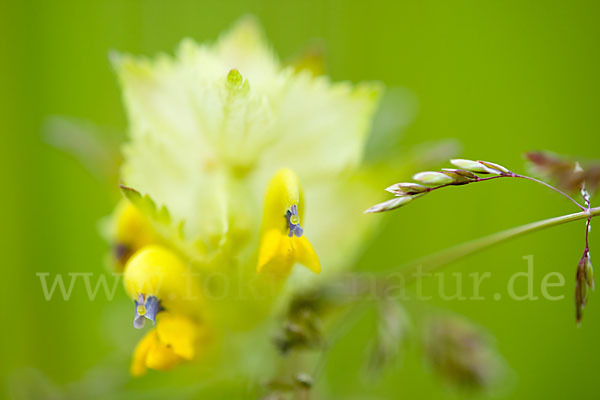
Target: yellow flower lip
{"x": 152, "y": 353}
{"x": 176, "y": 338}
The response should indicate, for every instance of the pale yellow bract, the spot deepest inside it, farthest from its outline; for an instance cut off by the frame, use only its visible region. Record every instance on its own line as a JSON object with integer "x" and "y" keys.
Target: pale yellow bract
{"x": 211, "y": 130}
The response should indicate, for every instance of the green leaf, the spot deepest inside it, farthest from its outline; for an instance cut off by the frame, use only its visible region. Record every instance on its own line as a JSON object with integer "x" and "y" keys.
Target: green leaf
{"x": 158, "y": 216}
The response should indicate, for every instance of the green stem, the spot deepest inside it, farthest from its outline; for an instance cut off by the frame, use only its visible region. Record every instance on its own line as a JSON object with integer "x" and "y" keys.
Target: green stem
{"x": 444, "y": 257}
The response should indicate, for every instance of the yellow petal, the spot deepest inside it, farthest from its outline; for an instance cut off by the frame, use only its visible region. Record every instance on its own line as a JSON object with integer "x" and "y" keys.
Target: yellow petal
{"x": 180, "y": 333}
{"x": 269, "y": 248}
{"x": 131, "y": 230}
{"x": 151, "y": 353}
{"x": 157, "y": 271}
{"x": 305, "y": 254}
{"x": 284, "y": 190}
{"x": 131, "y": 226}
{"x": 162, "y": 357}
{"x": 278, "y": 253}
{"x": 138, "y": 363}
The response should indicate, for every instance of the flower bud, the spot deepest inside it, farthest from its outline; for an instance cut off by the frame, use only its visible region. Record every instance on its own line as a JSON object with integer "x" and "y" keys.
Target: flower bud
{"x": 478, "y": 166}
{"x": 404, "y": 189}
{"x": 583, "y": 282}
{"x": 390, "y": 204}
{"x": 234, "y": 78}
{"x": 462, "y": 172}
{"x": 584, "y": 293}
{"x": 433, "y": 178}
{"x": 589, "y": 272}
{"x": 494, "y": 166}
{"x": 458, "y": 177}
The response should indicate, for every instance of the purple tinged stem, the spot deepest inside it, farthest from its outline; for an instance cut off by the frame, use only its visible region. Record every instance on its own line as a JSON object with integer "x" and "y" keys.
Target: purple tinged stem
{"x": 549, "y": 186}
{"x": 513, "y": 175}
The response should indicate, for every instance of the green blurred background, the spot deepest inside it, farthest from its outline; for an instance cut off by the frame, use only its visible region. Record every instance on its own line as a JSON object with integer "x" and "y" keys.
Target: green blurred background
{"x": 500, "y": 77}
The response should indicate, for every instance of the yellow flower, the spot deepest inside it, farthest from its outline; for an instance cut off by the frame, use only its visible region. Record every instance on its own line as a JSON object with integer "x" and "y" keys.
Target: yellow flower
{"x": 283, "y": 242}
{"x": 165, "y": 293}
{"x": 175, "y": 339}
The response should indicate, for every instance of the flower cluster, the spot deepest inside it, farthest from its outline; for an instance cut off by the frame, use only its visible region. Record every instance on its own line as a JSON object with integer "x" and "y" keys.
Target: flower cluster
{"x": 205, "y": 255}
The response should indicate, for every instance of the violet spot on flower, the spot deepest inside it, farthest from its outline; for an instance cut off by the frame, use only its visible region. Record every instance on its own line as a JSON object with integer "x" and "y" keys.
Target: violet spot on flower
{"x": 145, "y": 308}
{"x": 294, "y": 221}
